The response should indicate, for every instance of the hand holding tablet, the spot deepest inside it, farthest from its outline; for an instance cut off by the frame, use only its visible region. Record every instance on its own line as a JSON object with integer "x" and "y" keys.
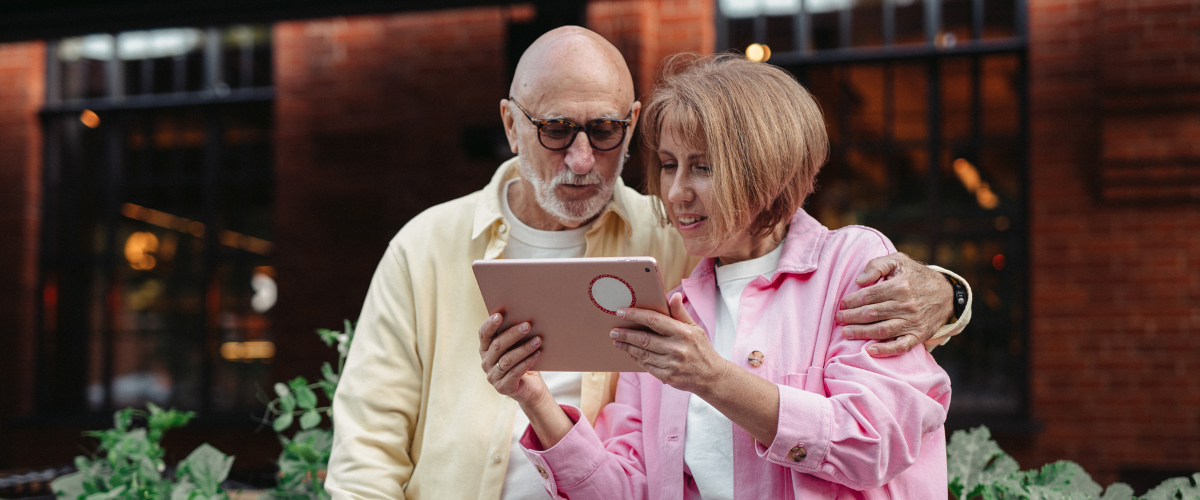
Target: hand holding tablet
{"x": 571, "y": 305}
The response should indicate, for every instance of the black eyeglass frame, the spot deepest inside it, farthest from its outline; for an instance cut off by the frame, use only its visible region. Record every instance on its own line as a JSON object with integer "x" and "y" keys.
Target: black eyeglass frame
{"x": 576, "y": 129}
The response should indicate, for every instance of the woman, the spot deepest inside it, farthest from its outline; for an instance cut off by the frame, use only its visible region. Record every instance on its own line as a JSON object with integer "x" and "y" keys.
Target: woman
{"x": 751, "y": 391}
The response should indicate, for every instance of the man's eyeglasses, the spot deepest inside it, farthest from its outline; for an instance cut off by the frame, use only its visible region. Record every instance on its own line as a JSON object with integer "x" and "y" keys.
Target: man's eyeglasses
{"x": 558, "y": 134}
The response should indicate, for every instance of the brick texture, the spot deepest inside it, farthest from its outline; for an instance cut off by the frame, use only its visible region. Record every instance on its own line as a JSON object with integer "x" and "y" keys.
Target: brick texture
{"x": 1115, "y": 251}
{"x": 21, "y": 95}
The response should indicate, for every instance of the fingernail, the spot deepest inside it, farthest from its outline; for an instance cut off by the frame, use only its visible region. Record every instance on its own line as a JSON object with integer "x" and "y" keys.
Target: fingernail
{"x": 537, "y": 353}
{"x": 873, "y": 350}
{"x": 849, "y": 334}
{"x": 616, "y": 344}
{"x": 536, "y": 341}
{"x": 524, "y": 328}
{"x": 620, "y": 313}
{"x": 496, "y": 319}
{"x": 612, "y": 334}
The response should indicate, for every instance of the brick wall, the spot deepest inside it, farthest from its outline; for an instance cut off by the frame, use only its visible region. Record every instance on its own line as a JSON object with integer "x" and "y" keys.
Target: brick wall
{"x": 1115, "y": 245}
{"x": 370, "y": 117}
{"x": 21, "y": 87}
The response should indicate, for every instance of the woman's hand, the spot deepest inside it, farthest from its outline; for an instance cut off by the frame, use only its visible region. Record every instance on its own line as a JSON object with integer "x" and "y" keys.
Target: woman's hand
{"x": 676, "y": 351}
{"x": 507, "y": 359}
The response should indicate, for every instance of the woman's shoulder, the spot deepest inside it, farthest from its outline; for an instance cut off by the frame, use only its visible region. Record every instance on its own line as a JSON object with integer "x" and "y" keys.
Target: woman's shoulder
{"x": 858, "y": 239}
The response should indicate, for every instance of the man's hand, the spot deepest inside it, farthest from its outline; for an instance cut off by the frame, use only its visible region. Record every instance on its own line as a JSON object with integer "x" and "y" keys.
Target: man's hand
{"x": 507, "y": 359}
{"x": 908, "y": 306}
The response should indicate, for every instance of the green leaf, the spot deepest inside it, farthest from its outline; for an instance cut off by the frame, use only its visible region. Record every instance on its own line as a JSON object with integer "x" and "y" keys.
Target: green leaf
{"x": 281, "y": 389}
{"x": 297, "y": 383}
{"x": 207, "y": 468}
{"x": 122, "y": 419}
{"x": 287, "y": 403}
{"x": 310, "y": 419}
{"x": 305, "y": 398}
{"x": 974, "y": 460}
{"x": 303, "y": 451}
{"x": 329, "y": 337}
{"x": 1118, "y": 491}
{"x": 1064, "y": 476}
{"x": 327, "y": 372}
{"x": 1176, "y": 487}
{"x": 328, "y": 388}
{"x": 71, "y": 485}
{"x": 183, "y": 490}
{"x": 282, "y": 422}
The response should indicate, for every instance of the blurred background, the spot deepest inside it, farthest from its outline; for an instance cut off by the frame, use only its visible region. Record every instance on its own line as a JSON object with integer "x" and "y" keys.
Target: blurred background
{"x": 189, "y": 189}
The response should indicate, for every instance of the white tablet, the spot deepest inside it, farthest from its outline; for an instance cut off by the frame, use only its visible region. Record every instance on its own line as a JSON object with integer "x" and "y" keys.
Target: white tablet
{"x": 572, "y": 304}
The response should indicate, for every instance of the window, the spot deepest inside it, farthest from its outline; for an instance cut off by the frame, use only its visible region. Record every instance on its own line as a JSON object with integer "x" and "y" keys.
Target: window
{"x": 156, "y": 270}
{"x": 924, "y": 102}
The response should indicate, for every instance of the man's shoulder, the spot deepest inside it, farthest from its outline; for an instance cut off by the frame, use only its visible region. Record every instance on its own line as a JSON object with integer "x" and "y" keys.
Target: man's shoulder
{"x": 447, "y": 221}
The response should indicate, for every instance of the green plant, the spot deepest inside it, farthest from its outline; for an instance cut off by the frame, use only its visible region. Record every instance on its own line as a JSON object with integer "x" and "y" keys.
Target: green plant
{"x": 129, "y": 463}
{"x": 979, "y": 469}
{"x": 305, "y": 455}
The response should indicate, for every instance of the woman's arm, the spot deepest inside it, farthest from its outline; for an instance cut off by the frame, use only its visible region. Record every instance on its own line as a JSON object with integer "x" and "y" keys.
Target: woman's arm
{"x": 506, "y": 362}
{"x": 680, "y": 355}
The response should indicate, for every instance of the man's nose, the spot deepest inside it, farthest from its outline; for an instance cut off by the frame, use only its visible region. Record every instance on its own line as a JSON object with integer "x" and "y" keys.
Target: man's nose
{"x": 580, "y": 157}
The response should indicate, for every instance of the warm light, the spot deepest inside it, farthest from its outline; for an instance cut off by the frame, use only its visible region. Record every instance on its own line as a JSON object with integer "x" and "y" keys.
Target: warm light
{"x": 89, "y": 118}
{"x": 138, "y": 250}
{"x": 195, "y": 228}
{"x": 969, "y": 177}
{"x": 248, "y": 351}
{"x": 998, "y": 262}
{"x": 758, "y": 52}
{"x": 986, "y": 198}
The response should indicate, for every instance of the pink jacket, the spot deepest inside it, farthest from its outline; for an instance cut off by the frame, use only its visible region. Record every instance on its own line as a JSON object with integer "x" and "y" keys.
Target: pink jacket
{"x": 850, "y": 426}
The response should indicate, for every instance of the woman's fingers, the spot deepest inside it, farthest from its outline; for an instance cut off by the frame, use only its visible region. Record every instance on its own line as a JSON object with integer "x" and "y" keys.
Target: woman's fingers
{"x": 644, "y": 357}
{"x": 643, "y": 340}
{"x": 678, "y": 311}
{"x": 514, "y": 356}
{"x": 488, "y": 330}
{"x": 502, "y": 343}
{"x": 656, "y": 321}
{"x": 509, "y": 382}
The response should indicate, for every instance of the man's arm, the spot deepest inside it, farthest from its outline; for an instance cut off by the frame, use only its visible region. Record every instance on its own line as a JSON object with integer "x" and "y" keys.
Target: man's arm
{"x": 913, "y": 304}
{"x": 379, "y": 395}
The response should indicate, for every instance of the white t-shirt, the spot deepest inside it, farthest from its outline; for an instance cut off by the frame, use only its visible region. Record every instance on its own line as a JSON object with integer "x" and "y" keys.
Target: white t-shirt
{"x": 708, "y": 442}
{"x": 522, "y": 481}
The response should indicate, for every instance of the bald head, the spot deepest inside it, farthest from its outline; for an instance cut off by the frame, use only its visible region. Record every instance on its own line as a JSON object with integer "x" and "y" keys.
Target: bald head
{"x": 575, "y": 59}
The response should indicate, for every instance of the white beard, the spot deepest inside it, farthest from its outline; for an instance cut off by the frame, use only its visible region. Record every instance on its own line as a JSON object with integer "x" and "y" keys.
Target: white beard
{"x": 570, "y": 212}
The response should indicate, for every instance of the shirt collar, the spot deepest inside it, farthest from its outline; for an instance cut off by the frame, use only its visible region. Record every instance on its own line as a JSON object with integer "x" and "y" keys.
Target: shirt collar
{"x": 488, "y": 212}
{"x": 801, "y": 248}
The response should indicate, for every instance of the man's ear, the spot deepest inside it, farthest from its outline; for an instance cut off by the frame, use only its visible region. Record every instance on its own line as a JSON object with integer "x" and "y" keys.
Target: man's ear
{"x": 637, "y": 111}
{"x": 510, "y": 125}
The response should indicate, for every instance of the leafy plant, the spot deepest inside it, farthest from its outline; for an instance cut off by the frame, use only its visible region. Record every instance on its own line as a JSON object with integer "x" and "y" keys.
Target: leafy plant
{"x": 979, "y": 469}
{"x": 305, "y": 455}
{"x": 129, "y": 463}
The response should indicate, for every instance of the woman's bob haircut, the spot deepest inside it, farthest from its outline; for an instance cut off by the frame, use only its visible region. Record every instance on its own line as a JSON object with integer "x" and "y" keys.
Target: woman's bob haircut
{"x": 762, "y": 132}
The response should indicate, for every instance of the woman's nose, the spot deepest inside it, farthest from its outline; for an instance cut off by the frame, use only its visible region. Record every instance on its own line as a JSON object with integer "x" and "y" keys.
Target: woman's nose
{"x": 680, "y": 190}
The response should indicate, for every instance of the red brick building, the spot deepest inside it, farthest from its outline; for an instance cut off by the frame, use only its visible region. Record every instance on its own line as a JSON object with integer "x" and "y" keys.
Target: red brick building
{"x": 1092, "y": 108}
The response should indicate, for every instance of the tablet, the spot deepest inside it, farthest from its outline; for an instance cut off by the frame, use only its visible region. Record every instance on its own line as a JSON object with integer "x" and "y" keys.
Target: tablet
{"x": 572, "y": 304}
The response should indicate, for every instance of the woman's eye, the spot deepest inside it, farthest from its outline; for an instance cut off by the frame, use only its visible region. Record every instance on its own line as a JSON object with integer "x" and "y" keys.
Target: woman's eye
{"x": 703, "y": 169}
{"x": 669, "y": 166}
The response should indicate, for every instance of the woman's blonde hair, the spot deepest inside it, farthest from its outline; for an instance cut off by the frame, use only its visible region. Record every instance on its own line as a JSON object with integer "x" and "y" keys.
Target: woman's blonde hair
{"x": 762, "y": 132}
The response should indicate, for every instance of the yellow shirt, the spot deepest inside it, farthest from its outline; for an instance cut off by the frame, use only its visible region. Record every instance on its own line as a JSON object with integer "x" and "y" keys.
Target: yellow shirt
{"x": 415, "y": 415}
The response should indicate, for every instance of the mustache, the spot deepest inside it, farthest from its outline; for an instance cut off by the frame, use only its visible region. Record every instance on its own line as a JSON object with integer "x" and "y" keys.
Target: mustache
{"x": 568, "y": 177}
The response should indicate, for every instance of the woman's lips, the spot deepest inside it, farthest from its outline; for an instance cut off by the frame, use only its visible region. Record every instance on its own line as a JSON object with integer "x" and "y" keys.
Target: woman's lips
{"x": 688, "y": 222}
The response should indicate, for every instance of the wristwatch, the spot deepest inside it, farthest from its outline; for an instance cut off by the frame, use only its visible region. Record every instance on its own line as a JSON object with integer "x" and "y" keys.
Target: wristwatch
{"x": 960, "y": 297}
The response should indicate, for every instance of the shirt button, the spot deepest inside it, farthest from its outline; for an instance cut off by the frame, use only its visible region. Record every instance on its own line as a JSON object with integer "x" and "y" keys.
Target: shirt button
{"x": 542, "y": 471}
{"x": 755, "y": 359}
{"x": 503, "y": 228}
{"x": 797, "y": 454}
{"x": 496, "y": 458}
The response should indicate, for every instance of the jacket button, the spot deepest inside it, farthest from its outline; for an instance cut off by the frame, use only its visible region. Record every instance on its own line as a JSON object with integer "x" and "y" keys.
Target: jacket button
{"x": 542, "y": 471}
{"x": 496, "y": 458}
{"x": 797, "y": 454}
{"x": 755, "y": 359}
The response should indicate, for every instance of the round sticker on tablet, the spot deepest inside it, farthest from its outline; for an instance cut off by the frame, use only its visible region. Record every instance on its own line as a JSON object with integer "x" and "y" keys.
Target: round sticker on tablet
{"x": 610, "y": 293}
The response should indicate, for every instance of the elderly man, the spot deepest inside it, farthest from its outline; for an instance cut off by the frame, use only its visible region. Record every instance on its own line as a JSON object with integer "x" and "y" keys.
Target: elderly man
{"x": 415, "y": 416}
